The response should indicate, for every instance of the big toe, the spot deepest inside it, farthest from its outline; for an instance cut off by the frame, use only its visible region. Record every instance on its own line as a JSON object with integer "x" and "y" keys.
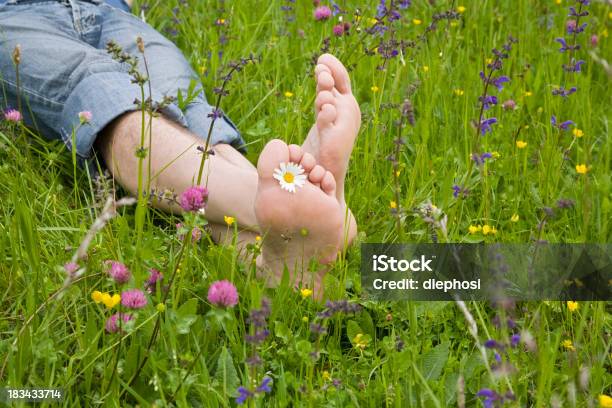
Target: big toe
{"x": 275, "y": 152}
{"x": 340, "y": 75}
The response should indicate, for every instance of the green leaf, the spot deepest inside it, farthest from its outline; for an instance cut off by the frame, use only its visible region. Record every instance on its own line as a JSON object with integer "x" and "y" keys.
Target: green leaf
{"x": 282, "y": 331}
{"x": 433, "y": 361}
{"x": 226, "y": 372}
{"x": 352, "y": 330}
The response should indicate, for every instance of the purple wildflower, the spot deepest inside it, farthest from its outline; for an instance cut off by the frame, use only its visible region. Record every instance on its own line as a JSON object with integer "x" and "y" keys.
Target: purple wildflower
{"x": 573, "y": 13}
{"x": 154, "y": 277}
{"x": 561, "y": 91}
{"x": 223, "y": 294}
{"x": 13, "y": 115}
{"x": 338, "y": 30}
{"x": 572, "y": 27}
{"x": 258, "y": 338}
{"x": 133, "y": 299}
{"x": 265, "y": 385}
{"x": 460, "y": 191}
{"x": 118, "y": 271}
{"x": 509, "y": 104}
{"x": 70, "y": 268}
{"x": 563, "y": 125}
{"x": 85, "y": 116}
{"x": 112, "y": 326}
{"x": 456, "y": 190}
{"x": 488, "y": 101}
{"x": 490, "y": 397}
{"x": 515, "y": 339}
{"x": 574, "y": 66}
{"x": 485, "y": 125}
{"x": 194, "y": 198}
{"x": 215, "y": 113}
{"x": 322, "y": 13}
{"x": 564, "y": 203}
{"x": 243, "y": 395}
{"x": 565, "y": 46}
{"x": 196, "y": 233}
{"x": 594, "y": 40}
{"x": 492, "y": 344}
{"x": 495, "y": 81}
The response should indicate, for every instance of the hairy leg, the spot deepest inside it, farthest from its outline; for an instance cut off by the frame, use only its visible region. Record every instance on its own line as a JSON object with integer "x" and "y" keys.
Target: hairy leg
{"x": 175, "y": 161}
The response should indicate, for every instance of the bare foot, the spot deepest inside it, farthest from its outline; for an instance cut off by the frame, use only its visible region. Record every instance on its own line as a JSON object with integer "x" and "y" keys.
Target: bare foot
{"x": 338, "y": 119}
{"x": 300, "y": 225}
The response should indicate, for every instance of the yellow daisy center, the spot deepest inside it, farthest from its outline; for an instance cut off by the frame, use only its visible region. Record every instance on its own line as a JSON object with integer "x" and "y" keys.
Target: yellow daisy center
{"x": 288, "y": 177}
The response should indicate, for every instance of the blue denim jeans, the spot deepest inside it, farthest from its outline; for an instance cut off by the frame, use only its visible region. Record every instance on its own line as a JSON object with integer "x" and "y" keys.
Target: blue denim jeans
{"x": 65, "y": 70}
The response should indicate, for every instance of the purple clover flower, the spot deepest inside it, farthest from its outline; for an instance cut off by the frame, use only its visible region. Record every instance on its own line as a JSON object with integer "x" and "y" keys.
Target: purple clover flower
{"x": 194, "y": 198}
{"x": 118, "y": 272}
{"x": 133, "y": 299}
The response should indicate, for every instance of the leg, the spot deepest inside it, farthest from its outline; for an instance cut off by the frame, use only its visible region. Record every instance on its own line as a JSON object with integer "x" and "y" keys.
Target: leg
{"x": 168, "y": 72}
{"x": 174, "y": 165}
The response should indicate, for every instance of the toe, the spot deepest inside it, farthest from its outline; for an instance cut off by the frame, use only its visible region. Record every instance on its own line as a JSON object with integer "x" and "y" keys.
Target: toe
{"x": 275, "y": 152}
{"x": 295, "y": 153}
{"x": 328, "y": 184}
{"x": 326, "y": 116}
{"x": 308, "y": 162}
{"x": 340, "y": 75}
{"x": 323, "y": 97}
{"x": 325, "y": 81}
{"x": 316, "y": 174}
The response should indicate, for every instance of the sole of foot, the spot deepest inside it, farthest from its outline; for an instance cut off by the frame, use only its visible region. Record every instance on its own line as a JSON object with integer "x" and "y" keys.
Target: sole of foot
{"x": 337, "y": 120}
{"x": 297, "y": 226}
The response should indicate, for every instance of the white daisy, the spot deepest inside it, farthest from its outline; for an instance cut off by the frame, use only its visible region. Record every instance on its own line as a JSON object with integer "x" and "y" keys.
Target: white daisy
{"x": 290, "y": 176}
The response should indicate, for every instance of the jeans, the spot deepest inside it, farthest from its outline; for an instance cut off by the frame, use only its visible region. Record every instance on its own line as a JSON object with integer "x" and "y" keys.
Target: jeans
{"x": 65, "y": 70}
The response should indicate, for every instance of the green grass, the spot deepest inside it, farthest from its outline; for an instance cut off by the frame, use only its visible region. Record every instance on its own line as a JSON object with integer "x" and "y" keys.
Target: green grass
{"x": 59, "y": 341}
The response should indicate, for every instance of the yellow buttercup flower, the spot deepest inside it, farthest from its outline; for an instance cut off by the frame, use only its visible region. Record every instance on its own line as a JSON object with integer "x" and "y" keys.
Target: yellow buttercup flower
{"x": 325, "y": 375}
{"x": 393, "y": 204}
{"x": 305, "y": 319}
{"x": 514, "y": 218}
{"x": 568, "y": 345}
{"x": 581, "y": 169}
{"x": 416, "y": 21}
{"x": 306, "y": 293}
{"x": 558, "y": 1}
{"x": 374, "y": 88}
{"x": 372, "y": 21}
{"x": 258, "y": 238}
{"x": 229, "y": 220}
{"x": 528, "y": 93}
{"x": 458, "y": 92}
{"x": 110, "y": 301}
{"x": 425, "y": 68}
{"x": 96, "y": 295}
{"x": 572, "y": 306}
{"x": 495, "y": 155}
{"x": 473, "y": 229}
{"x": 578, "y": 132}
{"x": 288, "y": 94}
{"x": 605, "y": 401}
{"x": 489, "y": 60}
{"x": 521, "y": 144}
{"x": 461, "y": 9}
{"x": 487, "y": 229}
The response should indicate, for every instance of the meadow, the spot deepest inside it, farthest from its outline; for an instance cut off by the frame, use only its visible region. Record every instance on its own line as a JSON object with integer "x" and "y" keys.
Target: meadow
{"x": 458, "y": 143}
